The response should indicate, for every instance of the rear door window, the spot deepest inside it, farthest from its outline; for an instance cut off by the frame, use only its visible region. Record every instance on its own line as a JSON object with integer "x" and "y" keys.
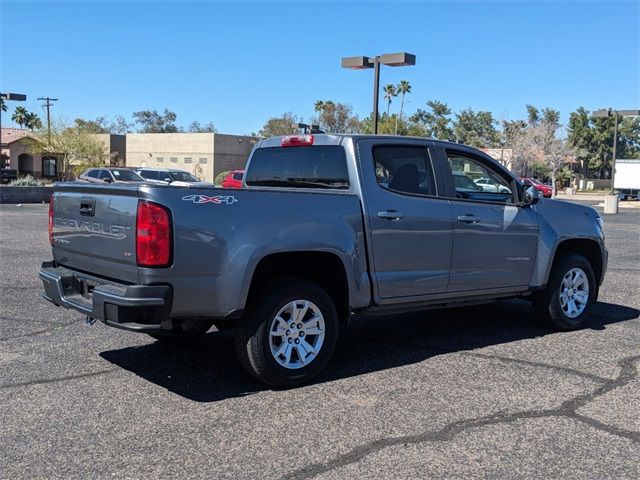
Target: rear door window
{"x": 322, "y": 166}
{"x": 404, "y": 169}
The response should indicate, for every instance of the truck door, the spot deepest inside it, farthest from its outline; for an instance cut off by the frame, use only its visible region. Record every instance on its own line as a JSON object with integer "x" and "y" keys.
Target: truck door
{"x": 409, "y": 225}
{"x": 494, "y": 239}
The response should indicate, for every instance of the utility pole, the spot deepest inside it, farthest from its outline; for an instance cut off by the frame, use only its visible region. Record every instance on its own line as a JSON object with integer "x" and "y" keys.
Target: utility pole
{"x": 48, "y": 105}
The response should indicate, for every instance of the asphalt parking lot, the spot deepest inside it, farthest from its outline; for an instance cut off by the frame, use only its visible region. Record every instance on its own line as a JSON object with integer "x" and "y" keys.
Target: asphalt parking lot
{"x": 474, "y": 392}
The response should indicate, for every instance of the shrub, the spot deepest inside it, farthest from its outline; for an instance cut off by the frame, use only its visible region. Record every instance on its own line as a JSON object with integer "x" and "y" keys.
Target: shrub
{"x": 27, "y": 181}
{"x": 220, "y": 177}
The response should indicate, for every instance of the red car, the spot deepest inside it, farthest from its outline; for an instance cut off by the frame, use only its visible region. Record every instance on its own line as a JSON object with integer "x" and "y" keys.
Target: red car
{"x": 545, "y": 190}
{"x": 233, "y": 179}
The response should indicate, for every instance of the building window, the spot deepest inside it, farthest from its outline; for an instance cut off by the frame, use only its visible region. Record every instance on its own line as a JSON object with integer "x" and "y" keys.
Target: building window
{"x": 49, "y": 167}
{"x": 159, "y": 159}
{"x": 202, "y": 160}
{"x": 173, "y": 159}
{"x": 188, "y": 160}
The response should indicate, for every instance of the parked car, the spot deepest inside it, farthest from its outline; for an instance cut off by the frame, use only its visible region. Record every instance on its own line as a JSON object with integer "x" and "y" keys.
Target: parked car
{"x": 233, "y": 179}
{"x": 545, "y": 190}
{"x": 109, "y": 175}
{"x": 166, "y": 176}
{"x": 327, "y": 227}
{"x": 489, "y": 185}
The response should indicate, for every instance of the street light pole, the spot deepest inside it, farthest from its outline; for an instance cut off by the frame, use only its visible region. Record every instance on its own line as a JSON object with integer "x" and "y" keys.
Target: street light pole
{"x": 391, "y": 59}
{"x": 615, "y": 148}
{"x": 376, "y": 92}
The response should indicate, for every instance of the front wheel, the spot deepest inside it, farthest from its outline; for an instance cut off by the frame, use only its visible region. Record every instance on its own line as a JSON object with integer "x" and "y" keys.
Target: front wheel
{"x": 288, "y": 334}
{"x": 566, "y": 302}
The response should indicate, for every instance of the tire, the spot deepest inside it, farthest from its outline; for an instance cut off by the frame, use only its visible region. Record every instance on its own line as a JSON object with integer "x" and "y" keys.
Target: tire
{"x": 566, "y": 304}
{"x": 272, "y": 351}
{"x": 184, "y": 332}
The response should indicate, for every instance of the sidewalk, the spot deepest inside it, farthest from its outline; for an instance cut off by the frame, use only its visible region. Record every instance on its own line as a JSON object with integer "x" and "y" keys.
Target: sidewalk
{"x": 596, "y": 197}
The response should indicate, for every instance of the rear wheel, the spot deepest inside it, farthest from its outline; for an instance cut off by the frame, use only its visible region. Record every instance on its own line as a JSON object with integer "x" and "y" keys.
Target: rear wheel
{"x": 566, "y": 303}
{"x": 288, "y": 334}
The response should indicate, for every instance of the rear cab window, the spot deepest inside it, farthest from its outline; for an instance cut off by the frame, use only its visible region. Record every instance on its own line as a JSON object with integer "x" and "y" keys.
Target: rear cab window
{"x": 318, "y": 166}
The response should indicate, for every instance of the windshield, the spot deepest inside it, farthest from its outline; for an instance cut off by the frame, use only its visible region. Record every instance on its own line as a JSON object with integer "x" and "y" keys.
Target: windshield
{"x": 125, "y": 175}
{"x": 323, "y": 166}
{"x": 183, "y": 177}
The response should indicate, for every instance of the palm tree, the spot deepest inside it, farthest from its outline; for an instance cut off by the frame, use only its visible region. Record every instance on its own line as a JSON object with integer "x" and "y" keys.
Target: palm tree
{"x": 3, "y": 106}
{"x": 403, "y": 88}
{"x": 20, "y": 116}
{"x": 319, "y": 106}
{"x": 389, "y": 93}
{"x": 32, "y": 121}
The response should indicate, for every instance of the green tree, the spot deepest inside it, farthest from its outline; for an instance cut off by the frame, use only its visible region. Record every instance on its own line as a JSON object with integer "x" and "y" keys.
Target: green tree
{"x": 151, "y": 121}
{"x": 593, "y": 138}
{"x": 20, "y": 116}
{"x": 120, "y": 126}
{"x": 402, "y": 88}
{"x": 337, "y": 118}
{"x": 3, "y": 106}
{"x": 436, "y": 120}
{"x": 99, "y": 125}
{"x": 27, "y": 119}
{"x": 74, "y": 148}
{"x": 389, "y": 91}
{"x": 195, "y": 127}
{"x": 476, "y": 129}
{"x": 286, "y": 124}
{"x": 33, "y": 121}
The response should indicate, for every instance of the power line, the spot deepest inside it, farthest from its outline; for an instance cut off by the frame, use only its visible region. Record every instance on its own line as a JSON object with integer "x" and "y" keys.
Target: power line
{"x": 48, "y": 106}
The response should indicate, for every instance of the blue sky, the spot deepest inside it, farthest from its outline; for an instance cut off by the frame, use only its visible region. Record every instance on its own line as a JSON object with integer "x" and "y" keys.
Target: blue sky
{"x": 238, "y": 63}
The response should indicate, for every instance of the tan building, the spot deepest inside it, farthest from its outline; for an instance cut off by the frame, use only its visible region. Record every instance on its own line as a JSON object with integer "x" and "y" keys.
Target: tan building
{"x": 20, "y": 159}
{"x": 204, "y": 154}
{"x": 503, "y": 155}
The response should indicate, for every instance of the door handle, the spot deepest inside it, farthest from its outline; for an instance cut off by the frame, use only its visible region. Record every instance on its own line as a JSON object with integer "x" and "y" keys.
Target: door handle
{"x": 390, "y": 215}
{"x": 468, "y": 218}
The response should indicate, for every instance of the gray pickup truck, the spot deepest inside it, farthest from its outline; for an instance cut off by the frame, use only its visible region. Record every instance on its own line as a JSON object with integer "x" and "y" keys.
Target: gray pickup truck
{"x": 326, "y": 226}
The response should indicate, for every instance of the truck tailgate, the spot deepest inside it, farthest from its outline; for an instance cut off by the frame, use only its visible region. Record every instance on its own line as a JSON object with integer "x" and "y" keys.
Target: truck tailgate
{"x": 94, "y": 228}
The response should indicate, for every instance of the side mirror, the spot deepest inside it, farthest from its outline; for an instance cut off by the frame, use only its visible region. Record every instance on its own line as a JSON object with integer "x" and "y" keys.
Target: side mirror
{"x": 531, "y": 196}
{"x": 107, "y": 180}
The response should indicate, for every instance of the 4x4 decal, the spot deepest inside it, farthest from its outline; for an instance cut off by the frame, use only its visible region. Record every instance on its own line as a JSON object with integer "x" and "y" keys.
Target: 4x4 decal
{"x": 216, "y": 199}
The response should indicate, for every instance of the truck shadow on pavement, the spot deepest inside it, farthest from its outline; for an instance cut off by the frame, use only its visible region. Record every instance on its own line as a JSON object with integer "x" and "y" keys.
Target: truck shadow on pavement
{"x": 207, "y": 369}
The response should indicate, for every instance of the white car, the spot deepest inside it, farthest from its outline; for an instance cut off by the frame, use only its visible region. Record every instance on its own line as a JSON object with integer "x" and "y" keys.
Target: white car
{"x": 166, "y": 176}
{"x": 490, "y": 186}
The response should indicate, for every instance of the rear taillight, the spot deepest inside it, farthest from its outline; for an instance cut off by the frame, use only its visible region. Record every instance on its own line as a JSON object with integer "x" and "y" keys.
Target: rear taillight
{"x": 51, "y": 219}
{"x": 297, "y": 141}
{"x": 153, "y": 235}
